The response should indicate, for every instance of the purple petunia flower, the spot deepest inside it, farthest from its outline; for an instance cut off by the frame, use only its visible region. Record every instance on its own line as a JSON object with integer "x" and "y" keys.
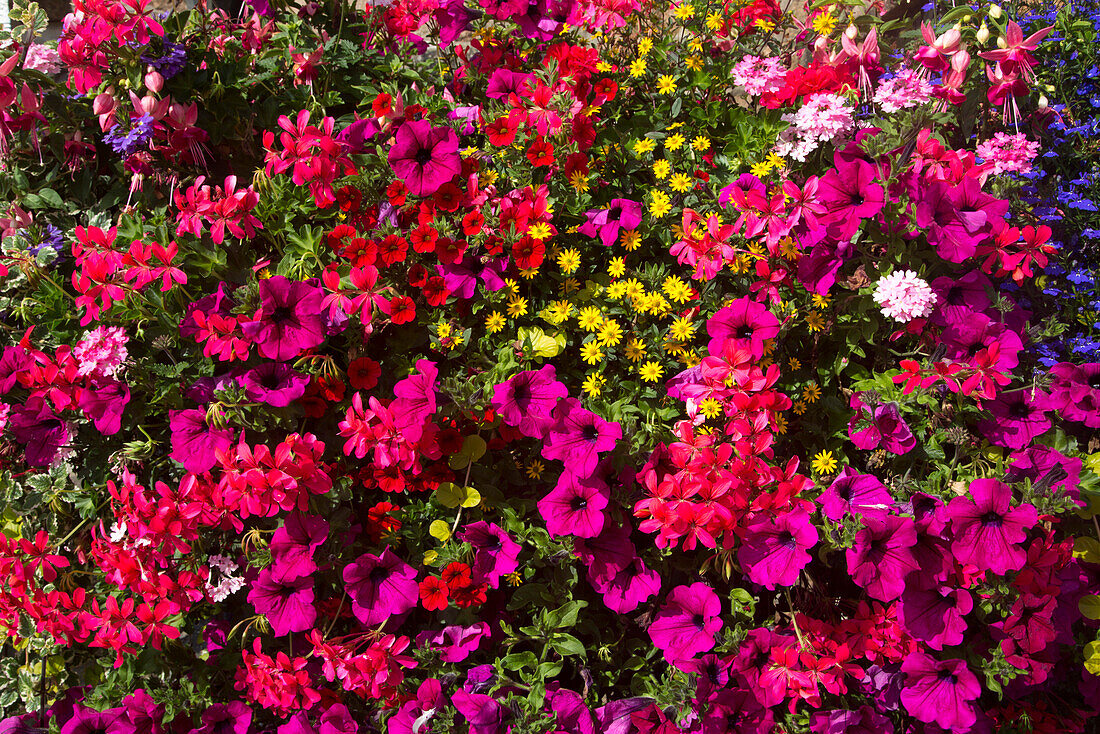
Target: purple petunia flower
{"x": 885, "y": 427}
{"x": 527, "y": 400}
{"x": 104, "y": 404}
{"x": 337, "y": 720}
{"x": 298, "y": 723}
{"x": 455, "y": 643}
{"x": 578, "y": 436}
{"x": 41, "y": 432}
{"x": 629, "y": 587}
{"x": 483, "y": 713}
{"x": 380, "y": 587}
{"x": 880, "y": 559}
{"x": 194, "y": 442}
{"x": 775, "y": 548}
{"x": 274, "y": 383}
{"x": 495, "y": 553}
{"x": 957, "y": 218}
{"x": 143, "y": 713}
{"x": 1019, "y": 417}
{"x": 357, "y": 134}
{"x": 687, "y": 622}
{"x": 1047, "y": 467}
{"x": 503, "y": 82}
{"x": 424, "y": 157}
{"x": 856, "y": 494}
{"x": 745, "y": 323}
{"x": 225, "y": 718}
{"x": 606, "y": 223}
{"x": 293, "y": 544}
{"x": 287, "y": 603}
{"x": 940, "y": 691}
{"x": 987, "y": 529}
{"x": 289, "y": 319}
{"x": 575, "y": 506}
{"x": 935, "y": 613}
{"x": 89, "y": 721}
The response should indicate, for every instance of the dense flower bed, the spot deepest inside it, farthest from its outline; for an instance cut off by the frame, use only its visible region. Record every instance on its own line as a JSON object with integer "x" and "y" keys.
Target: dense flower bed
{"x": 548, "y": 366}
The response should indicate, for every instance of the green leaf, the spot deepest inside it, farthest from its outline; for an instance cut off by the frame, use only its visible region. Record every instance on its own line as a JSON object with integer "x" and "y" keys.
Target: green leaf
{"x": 567, "y": 644}
{"x": 564, "y": 616}
{"x": 520, "y": 660}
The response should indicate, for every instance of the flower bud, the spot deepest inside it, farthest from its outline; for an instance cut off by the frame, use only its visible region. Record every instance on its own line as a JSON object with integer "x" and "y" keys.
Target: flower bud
{"x": 1001, "y": 42}
{"x": 1043, "y": 101}
{"x": 983, "y": 34}
{"x": 851, "y": 32}
{"x": 103, "y": 103}
{"x": 154, "y": 82}
{"x": 994, "y": 11}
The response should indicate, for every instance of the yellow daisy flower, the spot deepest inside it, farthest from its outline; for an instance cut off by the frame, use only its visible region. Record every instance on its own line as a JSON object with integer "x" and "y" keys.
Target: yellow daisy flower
{"x": 593, "y": 384}
{"x": 645, "y": 145}
{"x": 591, "y": 353}
{"x": 685, "y": 11}
{"x": 630, "y": 239}
{"x": 824, "y": 463}
{"x": 589, "y": 318}
{"x": 680, "y": 182}
{"x": 637, "y": 68}
{"x": 661, "y": 168}
{"x": 517, "y": 306}
{"x": 651, "y": 371}
{"x": 610, "y": 333}
{"x": 539, "y": 231}
{"x": 535, "y": 469}
{"x": 635, "y": 350}
{"x": 695, "y": 63}
{"x": 714, "y": 22}
{"x": 579, "y": 182}
{"x": 815, "y": 321}
{"x": 676, "y": 289}
{"x": 674, "y": 141}
{"x": 711, "y": 408}
{"x": 666, "y": 84}
{"x": 569, "y": 260}
{"x": 811, "y": 393}
{"x": 616, "y": 268}
{"x": 682, "y": 329}
{"x": 645, "y": 46}
{"x": 494, "y": 322}
{"x": 700, "y": 143}
{"x": 660, "y": 204}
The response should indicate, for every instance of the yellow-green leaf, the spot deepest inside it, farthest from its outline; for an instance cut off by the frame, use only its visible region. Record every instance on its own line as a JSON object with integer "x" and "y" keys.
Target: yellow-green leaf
{"x": 1092, "y": 657}
{"x": 1087, "y": 549}
{"x": 440, "y": 530}
{"x": 1090, "y": 606}
{"x": 452, "y": 496}
{"x": 540, "y": 343}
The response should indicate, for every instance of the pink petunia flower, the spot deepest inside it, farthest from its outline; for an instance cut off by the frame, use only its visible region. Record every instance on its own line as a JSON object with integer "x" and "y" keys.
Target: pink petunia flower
{"x": 380, "y": 587}
{"x": 289, "y": 319}
{"x": 775, "y": 548}
{"x": 987, "y": 529}
{"x": 575, "y": 506}
{"x": 687, "y": 622}
{"x": 527, "y": 399}
{"x": 940, "y": 691}
{"x": 424, "y": 157}
{"x": 579, "y": 436}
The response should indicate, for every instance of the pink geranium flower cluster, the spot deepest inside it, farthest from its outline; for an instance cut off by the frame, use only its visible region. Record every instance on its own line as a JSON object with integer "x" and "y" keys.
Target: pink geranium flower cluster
{"x": 823, "y": 118}
{"x": 223, "y": 209}
{"x": 904, "y": 296}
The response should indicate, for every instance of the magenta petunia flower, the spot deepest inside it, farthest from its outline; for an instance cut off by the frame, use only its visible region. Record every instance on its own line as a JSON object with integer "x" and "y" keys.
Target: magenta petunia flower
{"x": 746, "y": 323}
{"x": 629, "y": 587}
{"x": 864, "y": 720}
{"x": 289, "y": 319}
{"x": 13, "y": 362}
{"x": 935, "y": 613}
{"x": 607, "y": 223}
{"x": 940, "y": 691}
{"x": 104, "y": 405}
{"x": 495, "y": 553}
{"x": 143, "y": 714}
{"x": 41, "y": 432}
{"x": 527, "y": 400}
{"x": 424, "y": 157}
{"x": 572, "y": 716}
{"x": 287, "y": 603}
{"x": 1075, "y": 392}
{"x": 234, "y": 717}
{"x": 969, "y": 291}
{"x": 415, "y": 715}
{"x": 455, "y": 643}
{"x": 380, "y": 587}
{"x": 1019, "y": 417}
{"x": 292, "y": 546}
{"x": 1047, "y": 467}
{"x": 1029, "y": 623}
{"x": 337, "y": 720}
{"x": 415, "y": 400}
{"x": 194, "y": 442}
{"x": 885, "y": 427}
{"x": 775, "y": 547}
{"x": 275, "y": 384}
{"x": 881, "y": 559}
{"x": 687, "y": 622}
{"x": 575, "y": 506}
{"x": 578, "y": 436}
{"x": 987, "y": 529}
{"x": 483, "y": 713}
{"x": 956, "y": 218}
{"x": 850, "y": 195}
{"x": 503, "y": 82}
{"x": 87, "y": 720}
{"x": 856, "y": 494}
{"x": 967, "y": 332}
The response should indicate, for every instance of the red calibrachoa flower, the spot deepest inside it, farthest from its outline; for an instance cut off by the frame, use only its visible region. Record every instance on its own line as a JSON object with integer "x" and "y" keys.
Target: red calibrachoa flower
{"x": 433, "y": 593}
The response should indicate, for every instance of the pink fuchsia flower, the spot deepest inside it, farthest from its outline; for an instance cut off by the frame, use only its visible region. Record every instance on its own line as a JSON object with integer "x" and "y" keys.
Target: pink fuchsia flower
{"x": 275, "y": 384}
{"x": 775, "y": 548}
{"x": 424, "y": 157}
{"x": 940, "y": 691}
{"x": 287, "y": 603}
{"x": 687, "y": 622}
{"x": 987, "y": 529}
{"x": 289, "y": 320}
{"x": 527, "y": 400}
{"x": 881, "y": 559}
{"x": 194, "y": 442}
{"x": 575, "y": 506}
{"x": 1019, "y": 417}
{"x": 380, "y": 587}
{"x": 579, "y": 436}
{"x": 904, "y": 296}
{"x": 1075, "y": 392}
{"x": 745, "y": 323}
{"x": 622, "y": 214}
{"x": 1008, "y": 153}
{"x": 856, "y": 494}
{"x": 101, "y": 351}
{"x": 884, "y": 428}
{"x": 495, "y": 553}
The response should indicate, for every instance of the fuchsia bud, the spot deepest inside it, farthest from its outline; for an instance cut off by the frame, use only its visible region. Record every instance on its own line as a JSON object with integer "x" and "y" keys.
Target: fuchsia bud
{"x": 154, "y": 82}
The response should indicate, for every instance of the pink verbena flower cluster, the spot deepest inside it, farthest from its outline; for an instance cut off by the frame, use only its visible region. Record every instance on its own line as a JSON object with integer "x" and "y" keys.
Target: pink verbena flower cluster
{"x": 823, "y": 118}
{"x": 1008, "y": 153}
{"x": 759, "y": 75}
{"x": 904, "y": 296}
{"x": 905, "y": 89}
{"x": 101, "y": 352}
